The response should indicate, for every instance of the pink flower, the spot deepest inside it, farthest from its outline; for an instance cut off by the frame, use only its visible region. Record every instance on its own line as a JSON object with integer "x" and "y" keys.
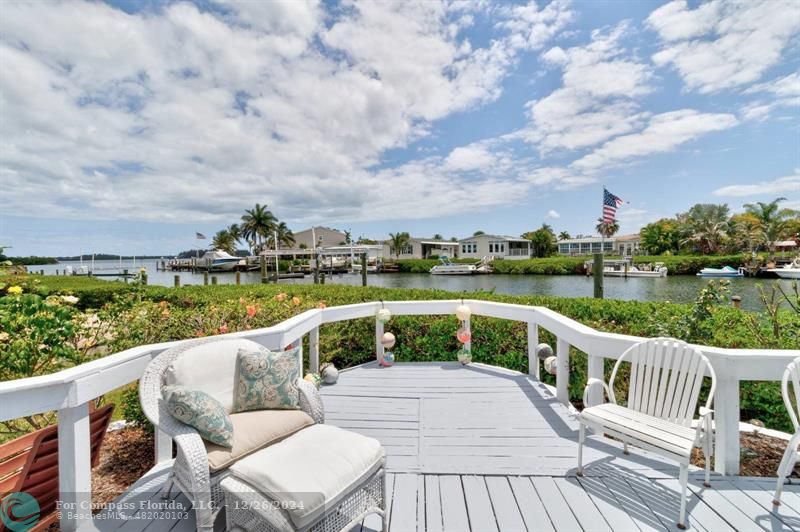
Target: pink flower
{"x": 280, "y": 297}
{"x": 251, "y": 310}
{"x": 322, "y": 304}
{"x": 223, "y": 329}
{"x": 295, "y": 301}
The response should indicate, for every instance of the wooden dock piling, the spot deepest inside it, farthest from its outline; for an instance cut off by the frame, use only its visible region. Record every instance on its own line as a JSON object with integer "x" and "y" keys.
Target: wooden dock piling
{"x": 238, "y": 277}
{"x": 363, "y": 269}
{"x": 213, "y": 279}
{"x": 177, "y": 281}
{"x": 597, "y": 272}
{"x": 205, "y": 278}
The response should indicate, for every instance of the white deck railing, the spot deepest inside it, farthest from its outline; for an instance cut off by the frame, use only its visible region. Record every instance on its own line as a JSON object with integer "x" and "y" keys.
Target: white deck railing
{"x": 70, "y": 391}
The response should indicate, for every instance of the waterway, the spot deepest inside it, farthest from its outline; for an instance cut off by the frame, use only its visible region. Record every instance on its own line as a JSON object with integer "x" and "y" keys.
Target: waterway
{"x": 677, "y": 288}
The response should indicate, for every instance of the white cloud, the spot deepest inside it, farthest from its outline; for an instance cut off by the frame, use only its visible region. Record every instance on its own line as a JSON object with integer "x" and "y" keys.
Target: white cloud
{"x": 595, "y": 102}
{"x": 664, "y": 133}
{"x": 553, "y": 214}
{"x": 782, "y": 92}
{"x": 781, "y": 185}
{"x": 723, "y": 43}
{"x": 285, "y": 103}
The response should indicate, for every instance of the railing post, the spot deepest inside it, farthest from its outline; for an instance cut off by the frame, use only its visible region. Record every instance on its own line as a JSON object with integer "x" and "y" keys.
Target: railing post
{"x": 74, "y": 466}
{"x": 313, "y": 350}
{"x": 726, "y": 425}
{"x": 378, "y": 344}
{"x": 562, "y": 371}
{"x": 163, "y": 447}
{"x": 595, "y": 370}
{"x": 533, "y": 359}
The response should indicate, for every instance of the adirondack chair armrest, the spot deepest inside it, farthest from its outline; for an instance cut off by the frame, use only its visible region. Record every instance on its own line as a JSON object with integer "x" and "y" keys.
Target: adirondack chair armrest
{"x": 704, "y": 425}
{"x": 595, "y": 382}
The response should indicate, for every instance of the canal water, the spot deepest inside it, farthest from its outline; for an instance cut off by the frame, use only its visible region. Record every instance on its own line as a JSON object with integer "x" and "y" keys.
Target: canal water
{"x": 678, "y": 288}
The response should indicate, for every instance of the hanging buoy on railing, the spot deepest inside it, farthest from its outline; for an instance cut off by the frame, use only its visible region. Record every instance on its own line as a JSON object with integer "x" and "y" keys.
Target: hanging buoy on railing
{"x": 387, "y": 341}
{"x": 329, "y": 373}
{"x": 551, "y": 365}
{"x": 463, "y": 312}
{"x": 543, "y": 351}
{"x": 464, "y": 355}
{"x": 464, "y": 335}
{"x": 384, "y": 315}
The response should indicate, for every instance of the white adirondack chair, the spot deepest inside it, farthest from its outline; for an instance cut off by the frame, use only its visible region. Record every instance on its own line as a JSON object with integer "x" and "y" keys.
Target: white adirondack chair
{"x": 790, "y": 456}
{"x": 665, "y": 380}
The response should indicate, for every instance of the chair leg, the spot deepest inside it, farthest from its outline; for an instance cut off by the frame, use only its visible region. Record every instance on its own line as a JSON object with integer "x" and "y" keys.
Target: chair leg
{"x": 167, "y": 489}
{"x": 786, "y": 466}
{"x": 707, "y": 452}
{"x": 683, "y": 479}
{"x": 581, "y": 437}
{"x": 625, "y": 448}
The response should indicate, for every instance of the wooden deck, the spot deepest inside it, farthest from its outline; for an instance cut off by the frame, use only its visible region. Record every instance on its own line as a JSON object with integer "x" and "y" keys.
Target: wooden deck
{"x": 479, "y": 448}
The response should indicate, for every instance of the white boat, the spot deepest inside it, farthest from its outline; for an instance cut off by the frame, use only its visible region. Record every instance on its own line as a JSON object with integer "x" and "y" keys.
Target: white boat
{"x": 725, "y": 271}
{"x": 657, "y": 270}
{"x": 220, "y": 261}
{"x": 790, "y": 271}
{"x": 449, "y": 268}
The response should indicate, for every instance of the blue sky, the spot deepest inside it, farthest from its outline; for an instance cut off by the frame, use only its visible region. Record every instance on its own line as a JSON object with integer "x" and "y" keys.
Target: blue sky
{"x": 128, "y": 126}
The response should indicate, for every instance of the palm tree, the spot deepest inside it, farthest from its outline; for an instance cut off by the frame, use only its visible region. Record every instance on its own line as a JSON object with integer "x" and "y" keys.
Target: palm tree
{"x": 563, "y": 235}
{"x": 398, "y": 241}
{"x": 607, "y": 229}
{"x": 478, "y": 233}
{"x": 225, "y": 241}
{"x": 772, "y": 220}
{"x": 348, "y": 237}
{"x": 438, "y": 236}
{"x": 257, "y": 225}
{"x": 706, "y": 226}
{"x": 285, "y": 236}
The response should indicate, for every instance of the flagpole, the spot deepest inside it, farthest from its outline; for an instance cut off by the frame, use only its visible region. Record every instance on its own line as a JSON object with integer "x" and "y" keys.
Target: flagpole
{"x": 597, "y": 264}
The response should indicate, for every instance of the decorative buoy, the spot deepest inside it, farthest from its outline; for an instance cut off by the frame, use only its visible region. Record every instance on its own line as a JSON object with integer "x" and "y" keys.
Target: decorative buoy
{"x": 551, "y": 365}
{"x": 388, "y": 359}
{"x": 387, "y": 340}
{"x": 329, "y": 373}
{"x": 384, "y": 315}
{"x": 464, "y": 356}
{"x": 313, "y": 378}
{"x": 464, "y": 335}
{"x": 543, "y": 351}
{"x": 463, "y": 312}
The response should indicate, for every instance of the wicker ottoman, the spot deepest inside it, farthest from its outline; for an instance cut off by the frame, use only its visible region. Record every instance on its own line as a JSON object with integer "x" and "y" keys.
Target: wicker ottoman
{"x": 320, "y": 478}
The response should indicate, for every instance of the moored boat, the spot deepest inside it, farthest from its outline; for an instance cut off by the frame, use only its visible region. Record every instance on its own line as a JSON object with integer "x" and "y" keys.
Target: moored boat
{"x": 725, "y": 271}
{"x": 220, "y": 261}
{"x": 790, "y": 271}
{"x": 447, "y": 267}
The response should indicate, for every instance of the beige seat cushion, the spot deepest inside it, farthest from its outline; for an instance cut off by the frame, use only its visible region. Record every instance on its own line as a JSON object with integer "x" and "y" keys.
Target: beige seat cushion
{"x": 255, "y": 430}
{"x": 209, "y": 367}
{"x": 311, "y": 470}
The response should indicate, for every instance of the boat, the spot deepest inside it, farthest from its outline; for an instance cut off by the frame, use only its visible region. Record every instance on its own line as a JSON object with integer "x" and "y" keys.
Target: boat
{"x": 447, "y": 267}
{"x": 220, "y": 261}
{"x": 790, "y": 271}
{"x": 625, "y": 268}
{"x": 656, "y": 270}
{"x": 726, "y": 271}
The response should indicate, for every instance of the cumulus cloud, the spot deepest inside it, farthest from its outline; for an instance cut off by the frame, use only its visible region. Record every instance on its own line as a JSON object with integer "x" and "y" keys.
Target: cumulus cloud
{"x": 596, "y": 101}
{"x": 185, "y": 113}
{"x": 782, "y": 185}
{"x": 777, "y": 93}
{"x": 553, "y": 214}
{"x": 723, "y": 44}
{"x": 664, "y": 133}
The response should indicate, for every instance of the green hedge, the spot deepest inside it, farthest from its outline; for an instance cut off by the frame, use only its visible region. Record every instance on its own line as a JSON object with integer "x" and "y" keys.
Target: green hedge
{"x": 153, "y": 314}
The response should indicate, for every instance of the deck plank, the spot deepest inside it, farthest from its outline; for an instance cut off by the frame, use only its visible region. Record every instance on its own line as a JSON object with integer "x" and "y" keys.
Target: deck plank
{"x": 479, "y": 506}
{"x": 505, "y": 506}
{"x": 454, "y": 507}
{"x": 557, "y": 508}
{"x": 433, "y": 504}
{"x": 582, "y": 505}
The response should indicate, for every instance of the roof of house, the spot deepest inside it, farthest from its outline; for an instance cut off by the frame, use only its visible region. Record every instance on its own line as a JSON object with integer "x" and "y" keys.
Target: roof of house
{"x": 628, "y": 238}
{"x": 498, "y": 237}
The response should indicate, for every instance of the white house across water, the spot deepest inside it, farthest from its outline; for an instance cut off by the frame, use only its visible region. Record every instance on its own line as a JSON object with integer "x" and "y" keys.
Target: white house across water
{"x": 501, "y": 247}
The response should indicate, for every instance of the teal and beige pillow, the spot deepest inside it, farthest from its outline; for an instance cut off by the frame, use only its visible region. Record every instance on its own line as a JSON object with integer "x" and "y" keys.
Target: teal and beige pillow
{"x": 266, "y": 380}
{"x": 201, "y": 411}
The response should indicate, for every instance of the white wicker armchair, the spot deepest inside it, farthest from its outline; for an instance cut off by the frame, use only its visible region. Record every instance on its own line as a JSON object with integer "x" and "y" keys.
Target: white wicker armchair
{"x": 191, "y": 472}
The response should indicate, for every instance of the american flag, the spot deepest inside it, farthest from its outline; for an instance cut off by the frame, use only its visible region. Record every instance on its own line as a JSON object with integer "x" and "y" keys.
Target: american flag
{"x": 610, "y": 204}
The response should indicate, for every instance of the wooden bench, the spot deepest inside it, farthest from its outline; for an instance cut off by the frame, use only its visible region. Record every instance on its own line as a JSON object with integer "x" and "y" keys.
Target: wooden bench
{"x": 30, "y": 464}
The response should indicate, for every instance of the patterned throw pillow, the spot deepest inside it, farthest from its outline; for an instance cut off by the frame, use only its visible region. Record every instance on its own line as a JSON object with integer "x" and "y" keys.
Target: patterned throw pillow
{"x": 266, "y": 380}
{"x": 201, "y": 411}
